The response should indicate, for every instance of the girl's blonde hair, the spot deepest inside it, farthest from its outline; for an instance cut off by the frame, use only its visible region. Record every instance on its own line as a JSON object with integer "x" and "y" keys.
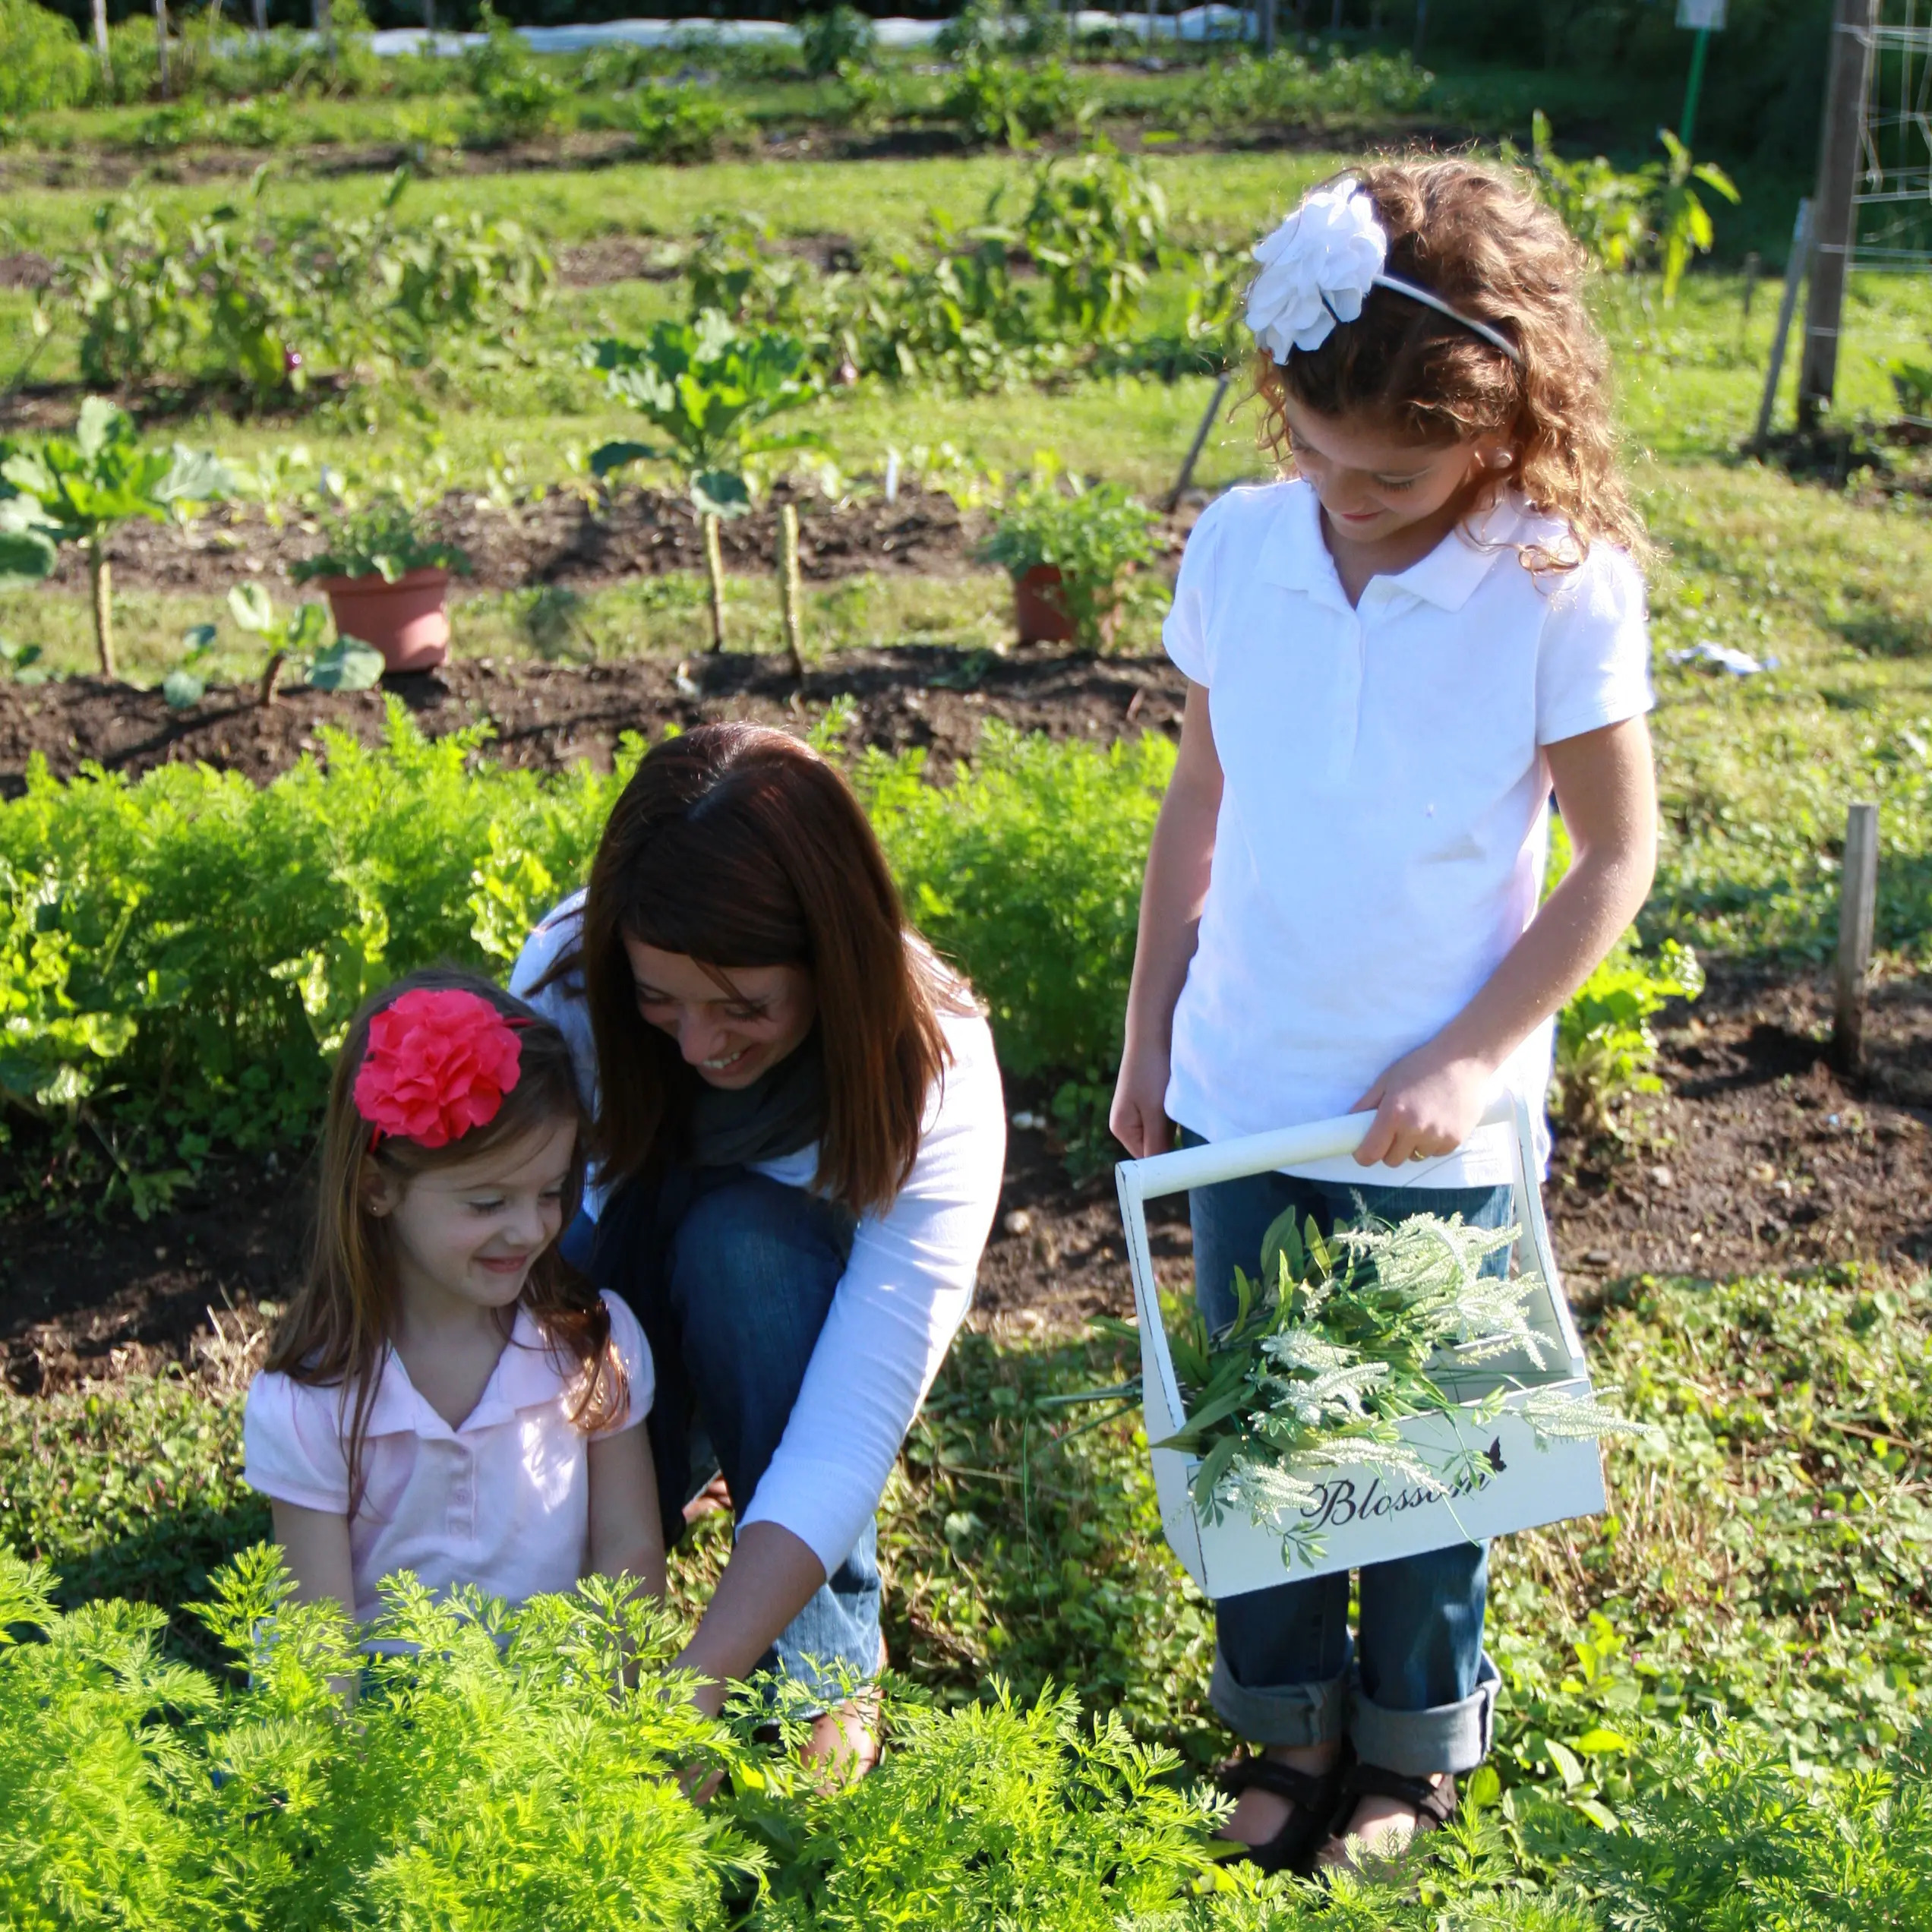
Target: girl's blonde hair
{"x": 337, "y": 1330}
{"x": 1477, "y": 237}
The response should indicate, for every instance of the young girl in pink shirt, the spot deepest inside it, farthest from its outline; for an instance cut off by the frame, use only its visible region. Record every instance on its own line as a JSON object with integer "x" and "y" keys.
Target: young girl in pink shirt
{"x": 445, "y": 1395}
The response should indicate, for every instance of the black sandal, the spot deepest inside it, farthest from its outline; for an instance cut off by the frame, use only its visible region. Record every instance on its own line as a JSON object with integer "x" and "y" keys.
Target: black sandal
{"x": 1311, "y": 1793}
{"x": 1434, "y": 1804}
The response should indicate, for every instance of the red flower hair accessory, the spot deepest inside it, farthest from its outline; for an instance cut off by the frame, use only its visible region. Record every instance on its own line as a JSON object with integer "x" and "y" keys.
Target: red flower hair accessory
{"x": 439, "y": 1062}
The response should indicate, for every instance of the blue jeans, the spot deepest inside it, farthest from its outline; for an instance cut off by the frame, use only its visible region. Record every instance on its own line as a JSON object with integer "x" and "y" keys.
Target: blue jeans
{"x": 1413, "y": 1690}
{"x": 732, "y": 1279}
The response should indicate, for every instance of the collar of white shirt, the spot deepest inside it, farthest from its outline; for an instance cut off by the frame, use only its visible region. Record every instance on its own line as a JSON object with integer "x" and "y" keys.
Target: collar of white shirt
{"x": 527, "y": 1375}
{"x": 1295, "y": 555}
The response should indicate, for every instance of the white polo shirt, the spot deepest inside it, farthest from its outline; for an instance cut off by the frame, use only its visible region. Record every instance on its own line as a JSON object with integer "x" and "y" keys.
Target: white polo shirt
{"x": 1385, "y": 819}
{"x": 503, "y": 1501}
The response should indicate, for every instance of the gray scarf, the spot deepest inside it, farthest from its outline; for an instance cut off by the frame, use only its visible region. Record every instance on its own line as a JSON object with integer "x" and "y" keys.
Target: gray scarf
{"x": 782, "y": 1111}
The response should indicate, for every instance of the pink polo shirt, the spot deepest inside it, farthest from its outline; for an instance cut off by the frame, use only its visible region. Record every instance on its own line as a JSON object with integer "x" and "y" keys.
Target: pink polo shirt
{"x": 503, "y": 1502}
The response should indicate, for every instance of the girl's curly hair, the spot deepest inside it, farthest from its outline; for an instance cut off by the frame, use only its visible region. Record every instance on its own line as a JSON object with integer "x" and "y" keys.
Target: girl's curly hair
{"x": 1478, "y": 237}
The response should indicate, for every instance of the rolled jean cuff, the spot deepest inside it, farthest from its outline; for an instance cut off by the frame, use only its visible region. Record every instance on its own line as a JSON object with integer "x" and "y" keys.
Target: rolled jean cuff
{"x": 1285, "y": 1714}
{"x": 1449, "y": 1737}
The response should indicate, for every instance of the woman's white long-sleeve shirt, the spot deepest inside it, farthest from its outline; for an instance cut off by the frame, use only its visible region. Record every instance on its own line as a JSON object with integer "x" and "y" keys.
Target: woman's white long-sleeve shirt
{"x": 906, "y": 1286}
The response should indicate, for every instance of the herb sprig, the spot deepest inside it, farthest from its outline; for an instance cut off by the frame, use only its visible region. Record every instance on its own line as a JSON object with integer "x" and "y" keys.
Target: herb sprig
{"x": 1339, "y": 1340}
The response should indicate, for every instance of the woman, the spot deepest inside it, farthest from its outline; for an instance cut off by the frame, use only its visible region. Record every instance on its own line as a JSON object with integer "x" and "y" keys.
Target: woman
{"x": 801, "y": 1135}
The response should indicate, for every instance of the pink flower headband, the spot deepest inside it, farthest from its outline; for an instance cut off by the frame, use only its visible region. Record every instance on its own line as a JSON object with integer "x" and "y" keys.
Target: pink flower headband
{"x": 1319, "y": 266}
{"x": 438, "y": 1062}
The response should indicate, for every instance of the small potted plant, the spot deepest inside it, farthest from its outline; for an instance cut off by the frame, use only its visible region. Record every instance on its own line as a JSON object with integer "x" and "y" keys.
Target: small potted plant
{"x": 387, "y": 582}
{"x": 1067, "y": 550}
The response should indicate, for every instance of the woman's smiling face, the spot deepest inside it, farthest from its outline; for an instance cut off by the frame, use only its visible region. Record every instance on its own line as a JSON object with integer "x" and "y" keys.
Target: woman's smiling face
{"x": 731, "y": 1023}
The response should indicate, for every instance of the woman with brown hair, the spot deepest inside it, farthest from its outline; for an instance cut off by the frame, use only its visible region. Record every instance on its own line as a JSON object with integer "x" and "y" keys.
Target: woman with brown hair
{"x": 800, "y": 1136}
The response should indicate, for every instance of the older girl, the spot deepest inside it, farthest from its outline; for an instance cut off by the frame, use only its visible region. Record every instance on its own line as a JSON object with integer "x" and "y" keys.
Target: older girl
{"x": 1392, "y": 658}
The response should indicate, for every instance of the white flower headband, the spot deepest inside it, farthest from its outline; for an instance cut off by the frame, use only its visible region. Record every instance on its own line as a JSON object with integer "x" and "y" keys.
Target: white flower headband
{"x": 1319, "y": 266}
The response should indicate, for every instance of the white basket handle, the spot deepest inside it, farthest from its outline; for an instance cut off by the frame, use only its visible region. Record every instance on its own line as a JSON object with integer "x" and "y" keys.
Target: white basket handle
{"x": 1142, "y": 1181}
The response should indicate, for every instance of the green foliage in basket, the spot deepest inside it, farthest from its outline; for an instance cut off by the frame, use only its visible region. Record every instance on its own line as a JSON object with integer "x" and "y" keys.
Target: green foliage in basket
{"x": 382, "y": 538}
{"x": 1093, "y": 534}
{"x": 1338, "y": 1340}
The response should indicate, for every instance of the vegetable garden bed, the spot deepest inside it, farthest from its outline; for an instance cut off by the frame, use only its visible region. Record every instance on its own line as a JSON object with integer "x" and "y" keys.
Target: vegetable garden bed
{"x": 1765, "y": 1158}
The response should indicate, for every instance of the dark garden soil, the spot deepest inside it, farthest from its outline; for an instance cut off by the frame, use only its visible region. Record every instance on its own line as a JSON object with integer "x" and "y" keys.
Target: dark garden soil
{"x": 573, "y": 542}
{"x": 1759, "y": 1157}
{"x": 546, "y": 716}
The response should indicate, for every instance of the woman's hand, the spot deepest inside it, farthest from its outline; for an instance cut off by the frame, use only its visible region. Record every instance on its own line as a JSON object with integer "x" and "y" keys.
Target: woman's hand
{"x": 1428, "y": 1104}
{"x": 1138, "y": 1117}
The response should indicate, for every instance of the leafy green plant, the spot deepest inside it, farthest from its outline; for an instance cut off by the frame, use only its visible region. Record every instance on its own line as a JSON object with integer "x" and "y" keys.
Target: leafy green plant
{"x": 274, "y": 302}
{"x": 345, "y": 666}
{"x": 1026, "y": 870}
{"x": 382, "y": 537}
{"x": 43, "y": 64}
{"x": 1000, "y": 103}
{"x": 85, "y": 488}
{"x": 833, "y": 37}
{"x": 710, "y": 388}
{"x": 1244, "y": 89}
{"x": 681, "y": 124}
{"x": 1093, "y": 534}
{"x": 1048, "y": 1820}
{"x": 518, "y": 94}
{"x": 1623, "y": 219}
{"x": 1913, "y": 384}
{"x": 1336, "y": 1341}
{"x": 1606, "y": 1051}
{"x": 1095, "y": 227}
{"x": 459, "y": 1797}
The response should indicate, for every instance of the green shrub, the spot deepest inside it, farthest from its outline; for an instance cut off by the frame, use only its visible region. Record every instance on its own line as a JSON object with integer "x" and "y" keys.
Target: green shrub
{"x": 502, "y": 1775}
{"x": 273, "y": 302}
{"x": 1094, "y": 227}
{"x": 836, "y": 37}
{"x": 1045, "y": 1821}
{"x": 1651, "y": 213}
{"x": 518, "y": 94}
{"x": 1001, "y": 104}
{"x": 1027, "y": 870}
{"x": 43, "y": 64}
{"x": 683, "y": 124}
{"x": 1093, "y": 534}
{"x": 1606, "y": 1051}
{"x": 1290, "y": 87}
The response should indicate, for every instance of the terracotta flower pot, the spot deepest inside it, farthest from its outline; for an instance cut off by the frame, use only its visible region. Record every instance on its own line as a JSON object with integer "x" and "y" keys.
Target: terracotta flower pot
{"x": 407, "y": 621}
{"x": 1038, "y": 614}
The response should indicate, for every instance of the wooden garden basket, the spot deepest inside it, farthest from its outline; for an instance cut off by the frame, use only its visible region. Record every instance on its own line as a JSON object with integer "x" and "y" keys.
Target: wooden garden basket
{"x": 1363, "y": 1516}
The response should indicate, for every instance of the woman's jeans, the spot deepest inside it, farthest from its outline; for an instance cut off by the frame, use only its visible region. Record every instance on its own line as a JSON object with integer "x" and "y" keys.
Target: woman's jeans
{"x": 732, "y": 1275}
{"x": 1413, "y": 1690}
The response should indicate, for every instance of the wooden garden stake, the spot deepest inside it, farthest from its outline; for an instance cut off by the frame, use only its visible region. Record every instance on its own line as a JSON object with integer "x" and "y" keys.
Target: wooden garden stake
{"x": 161, "y": 43}
{"x": 100, "y": 43}
{"x": 1754, "y": 267}
{"x": 1858, "y": 900}
{"x": 788, "y": 587}
{"x": 714, "y": 570}
{"x": 1795, "y": 263}
{"x": 1186, "y": 476}
{"x": 101, "y": 578}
